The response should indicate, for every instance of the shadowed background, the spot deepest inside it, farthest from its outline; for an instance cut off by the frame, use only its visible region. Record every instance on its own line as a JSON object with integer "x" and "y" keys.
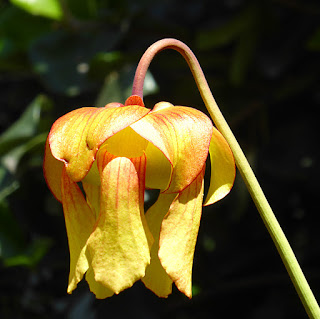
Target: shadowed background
{"x": 262, "y": 62}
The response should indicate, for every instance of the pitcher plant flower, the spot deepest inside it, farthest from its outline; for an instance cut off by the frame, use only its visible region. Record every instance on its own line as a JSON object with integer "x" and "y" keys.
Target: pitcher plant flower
{"x": 98, "y": 163}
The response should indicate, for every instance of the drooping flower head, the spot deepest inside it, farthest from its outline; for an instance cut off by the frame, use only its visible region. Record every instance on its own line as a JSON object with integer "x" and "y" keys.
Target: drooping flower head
{"x": 116, "y": 152}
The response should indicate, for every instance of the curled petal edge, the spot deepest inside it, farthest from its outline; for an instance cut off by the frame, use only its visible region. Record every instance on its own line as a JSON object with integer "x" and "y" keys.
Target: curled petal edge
{"x": 223, "y": 169}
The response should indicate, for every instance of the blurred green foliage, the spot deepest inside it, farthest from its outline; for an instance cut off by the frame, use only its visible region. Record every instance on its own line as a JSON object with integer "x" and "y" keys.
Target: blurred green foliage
{"x": 45, "y": 8}
{"x": 262, "y": 61}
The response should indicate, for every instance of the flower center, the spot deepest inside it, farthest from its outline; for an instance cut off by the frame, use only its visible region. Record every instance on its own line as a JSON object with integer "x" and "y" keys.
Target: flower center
{"x": 126, "y": 143}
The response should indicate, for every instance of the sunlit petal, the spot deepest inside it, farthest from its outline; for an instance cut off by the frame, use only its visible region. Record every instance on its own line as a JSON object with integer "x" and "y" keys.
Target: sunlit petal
{"x": 179, "y": 233}
{"x": 156, "y": 278}
{"x": 80, "y": 221}
{"x": 76, "y": 137}
{"x": 126, "y": 143}
{"x": 223, "y": 168}
{"x": 98, "y": 289}
{"x": 183, "y": 135}
{"x": 52, "y": 169}
{"x": 118, "y": 247}
{"x": 159, "y": 169}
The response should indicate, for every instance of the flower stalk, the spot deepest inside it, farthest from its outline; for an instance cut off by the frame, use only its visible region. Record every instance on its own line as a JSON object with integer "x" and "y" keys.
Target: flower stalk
{"x": 286, "y": 253}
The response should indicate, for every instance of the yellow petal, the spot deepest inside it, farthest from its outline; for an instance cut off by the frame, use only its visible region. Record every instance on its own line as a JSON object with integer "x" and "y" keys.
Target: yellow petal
{"x": 126, "y": 143}
{"x": 156, "y": 278}
{"x": 100, "y": 291}
{"x": 183, "y": 135}
{"x": 93, "y": 176}
{"x": 52, "y": 169}
{"x": 118, "y": 247}
{"x": 79, "y": 221}
{"x": 223, "y": 169}
{"x": 93, "y": 197}
{"x": 179, "y": 233}
{"x": 76, "y": 137}
{"x": 159, "y": 169}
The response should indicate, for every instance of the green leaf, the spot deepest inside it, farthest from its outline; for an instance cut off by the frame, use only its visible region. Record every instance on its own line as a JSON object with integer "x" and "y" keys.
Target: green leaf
{"x": 106, "y": 62}
{"x": 13, "y": 248}
{"x": 46, "y": 8}
{"x": 66, "y": 71}
{"x": 83, "y": 9}
{"x": 11, "y": 239}
{"x": 12, "y": 159}
{"x": 19, "y": 36}
{"x": 8, "y": 184}
{"x": 314, "y": 42}
{"x": 228, "y": 32}
{"x": 26, "y": 127}
{"x": 32, "y": 254}
{"x": 242, "y": 56}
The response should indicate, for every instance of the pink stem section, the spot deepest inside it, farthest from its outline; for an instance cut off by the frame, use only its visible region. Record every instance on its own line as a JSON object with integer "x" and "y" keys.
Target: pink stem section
{"x": 184, "y": 50}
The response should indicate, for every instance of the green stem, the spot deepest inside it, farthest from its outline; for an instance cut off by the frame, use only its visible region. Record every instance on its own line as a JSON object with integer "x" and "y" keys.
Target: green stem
{"x": 302, "y": 287}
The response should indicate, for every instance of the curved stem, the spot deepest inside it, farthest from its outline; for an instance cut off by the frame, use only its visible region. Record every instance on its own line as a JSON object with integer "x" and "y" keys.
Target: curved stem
{"x": 266, "y": 213}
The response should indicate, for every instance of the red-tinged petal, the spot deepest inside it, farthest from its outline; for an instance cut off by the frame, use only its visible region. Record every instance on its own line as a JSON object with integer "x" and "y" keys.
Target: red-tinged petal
{"x": 179, "y": 233}
{"x": 223, "y": 169}
{"x": 80, "y": 221}
{"x": 76, "y": 137}
{"x": 140, "y": 165}
{"x": 52, "y": 169}
{"x": 100, "y": 291}
{"x": 156, "y": 278}
{"x": 183, "y": 135}
{"x": 118, "y": 247}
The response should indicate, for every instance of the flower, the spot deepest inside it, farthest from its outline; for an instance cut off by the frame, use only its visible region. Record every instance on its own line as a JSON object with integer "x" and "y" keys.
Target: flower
{"x": 116, "y": 152}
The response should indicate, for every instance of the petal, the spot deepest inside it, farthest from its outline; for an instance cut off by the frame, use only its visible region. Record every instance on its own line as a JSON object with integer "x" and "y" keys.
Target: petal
{"x": 52, "y": 169}
{"x": 223, "y": 169}
{"x": 93, "y": 197}
{"x": 93, "y": 176}
{"x": 183, "y": 135}
{"x": 158, "y": 170}
{"x": 156, "y": 278}
{"x": 80, "y": 221}
{"x": 178, "y": 235}
{"x": 119, "y": 247}
{"x": 126, "y": 143}
{"x": 76, "y": 137}
{"x": 100, "y": 291}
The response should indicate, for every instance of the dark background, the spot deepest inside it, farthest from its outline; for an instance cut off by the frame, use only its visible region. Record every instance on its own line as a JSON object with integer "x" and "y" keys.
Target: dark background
{"x": 262, "y": 62}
